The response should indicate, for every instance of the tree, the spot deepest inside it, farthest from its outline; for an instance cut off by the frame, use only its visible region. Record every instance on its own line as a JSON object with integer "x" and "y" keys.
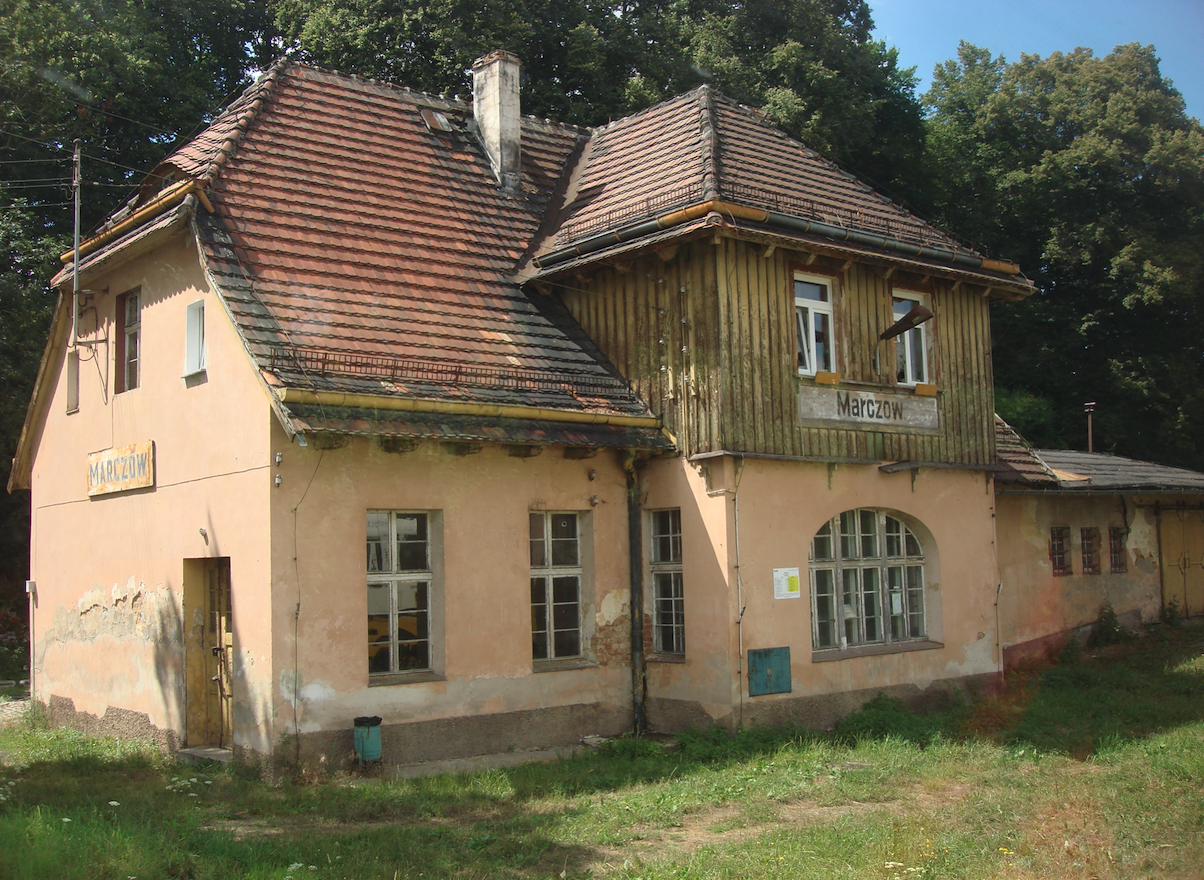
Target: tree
{"x": 128, "y": 77}
{"x": 809, "y": 64}
{"x": 1090, "y": 174}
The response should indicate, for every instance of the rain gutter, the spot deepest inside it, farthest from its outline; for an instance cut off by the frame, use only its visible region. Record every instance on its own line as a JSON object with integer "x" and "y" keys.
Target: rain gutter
{"x": 772, "y": 218}
{"x": 492, "y": 410}
{"x": 168, "y": 198}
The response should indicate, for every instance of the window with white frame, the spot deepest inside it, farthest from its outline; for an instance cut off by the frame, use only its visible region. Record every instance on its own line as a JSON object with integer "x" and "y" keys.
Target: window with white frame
{"x": 668, "y": 600}
{"x": 556, "y": 575}
{"x": 911, "y": 347}
{"x": 400, "y": 580}
{"x": 813, "y": 325}
{"x": 194, "y": 339}
{"x": 129, "y": 340}
{"x": 867, "y": 582}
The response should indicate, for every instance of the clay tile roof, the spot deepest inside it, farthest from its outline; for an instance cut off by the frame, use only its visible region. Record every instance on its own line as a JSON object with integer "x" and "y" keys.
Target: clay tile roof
{"x": 1020, "y": 465}
{"x": 702, "y": 146}
{"x": 362, "y": 250}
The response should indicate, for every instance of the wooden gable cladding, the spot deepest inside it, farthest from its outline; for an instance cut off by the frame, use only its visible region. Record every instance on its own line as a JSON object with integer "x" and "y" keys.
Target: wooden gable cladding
{"x": 707, "y": 339}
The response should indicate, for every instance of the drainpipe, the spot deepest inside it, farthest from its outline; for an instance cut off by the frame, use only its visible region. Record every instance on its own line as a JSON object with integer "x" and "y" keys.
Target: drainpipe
{"x": 639, "y": 678}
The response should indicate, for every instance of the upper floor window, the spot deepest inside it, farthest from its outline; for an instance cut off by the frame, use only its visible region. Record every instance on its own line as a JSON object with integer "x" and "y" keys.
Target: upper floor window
{"x": 911, "y": 347}
{"x": 867, "y": 582}
{"x": 400, "y": 579}
{"x": 813, "y": 320}
{"x": 194, "y": 339}
{"x": 129, "y": 340}
{"x": 669, "y": 619}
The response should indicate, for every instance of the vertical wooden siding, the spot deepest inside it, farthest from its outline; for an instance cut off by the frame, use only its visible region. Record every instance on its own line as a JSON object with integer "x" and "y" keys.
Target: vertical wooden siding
{"x": 734, "y": 387}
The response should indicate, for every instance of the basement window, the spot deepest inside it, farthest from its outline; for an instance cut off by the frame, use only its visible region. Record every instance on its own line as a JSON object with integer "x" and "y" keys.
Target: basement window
{"x": 1118, "y": 560}
{"x": 1059, "y": 550}
{"x": 1089, "y": 541}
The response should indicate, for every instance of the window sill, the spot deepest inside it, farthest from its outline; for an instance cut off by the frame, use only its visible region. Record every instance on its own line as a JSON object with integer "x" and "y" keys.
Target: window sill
{"x": 403, "y": 678}
{"x": 193, "y": 373}
{"x": 559, "y": 665}
{"x": 830, "y": 654}
{"x": 666, "y": 658}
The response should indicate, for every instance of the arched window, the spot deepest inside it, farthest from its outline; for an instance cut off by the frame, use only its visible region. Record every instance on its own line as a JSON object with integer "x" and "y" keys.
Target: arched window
{"x": 867, "y": 582}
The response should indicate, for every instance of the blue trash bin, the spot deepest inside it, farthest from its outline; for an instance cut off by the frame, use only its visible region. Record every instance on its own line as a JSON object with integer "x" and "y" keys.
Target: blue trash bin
{"x": 367, "y": 738}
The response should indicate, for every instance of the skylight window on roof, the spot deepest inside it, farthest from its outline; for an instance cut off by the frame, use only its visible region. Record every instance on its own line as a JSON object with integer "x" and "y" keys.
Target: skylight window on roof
{"x": 435, "y": 120}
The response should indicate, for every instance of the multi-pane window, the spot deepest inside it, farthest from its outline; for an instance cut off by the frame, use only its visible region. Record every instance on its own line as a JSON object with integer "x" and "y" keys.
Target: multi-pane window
{"x": 1117, "y": 558}
{"x": 555, "y": 585}
{"x": 813, "y": 317}
{"x": 129, "y": 336}
{"x": 1089, "y": 539}
{"x": 911, "y": 347}
{"x": 867, "y": 582}
{"x": 399, "y": 591}
{"x": 1059, "y": 550}
{"x": 669, "y": 622}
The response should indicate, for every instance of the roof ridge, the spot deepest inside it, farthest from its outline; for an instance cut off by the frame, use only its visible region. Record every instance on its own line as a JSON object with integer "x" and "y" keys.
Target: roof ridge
{"x": 709, "y": 137}
{"x": 263, "y": 90}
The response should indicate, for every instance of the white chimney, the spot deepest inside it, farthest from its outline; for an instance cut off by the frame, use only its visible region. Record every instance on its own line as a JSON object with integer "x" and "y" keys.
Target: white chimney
{"x": 496, "y": 110}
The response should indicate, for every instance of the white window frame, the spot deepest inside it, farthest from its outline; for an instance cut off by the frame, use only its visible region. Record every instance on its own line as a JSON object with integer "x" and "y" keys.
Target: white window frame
{"x": 73, "y": 381}
{"x": 868, "y": 582}
{"x": 129, "y": 340}
{"x": 385, "y": 571}
{"x": 551, "y": 612}
{"x": 668, "y": 596}
{"x": 805, "y": 312}
{"x": 912, "y": 361}
{"x": 194, "y": 339}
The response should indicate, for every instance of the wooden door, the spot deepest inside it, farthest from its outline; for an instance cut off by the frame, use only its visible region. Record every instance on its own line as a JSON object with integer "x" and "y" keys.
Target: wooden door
{"x": 1183, "y": 560}
{"x": 218, "y": 649}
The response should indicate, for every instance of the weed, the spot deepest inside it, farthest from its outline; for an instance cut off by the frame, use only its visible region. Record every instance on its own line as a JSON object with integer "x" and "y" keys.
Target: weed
{"x": 1171, "y": 614}
{"x": 1107, "y": 629}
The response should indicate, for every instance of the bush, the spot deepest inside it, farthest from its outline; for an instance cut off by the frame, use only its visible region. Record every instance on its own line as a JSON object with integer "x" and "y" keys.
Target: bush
{"x": 1107, "y": 629}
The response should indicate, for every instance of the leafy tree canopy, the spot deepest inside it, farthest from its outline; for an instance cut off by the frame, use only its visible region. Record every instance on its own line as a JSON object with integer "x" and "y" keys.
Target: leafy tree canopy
{"x": 1087, "y": 171}
{"x": 809, "y": 64}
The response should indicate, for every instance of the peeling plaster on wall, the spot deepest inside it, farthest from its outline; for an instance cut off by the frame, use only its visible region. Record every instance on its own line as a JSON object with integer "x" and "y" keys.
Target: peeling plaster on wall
{"x": 118, "y": 646}
{"x": 612, "y": 607}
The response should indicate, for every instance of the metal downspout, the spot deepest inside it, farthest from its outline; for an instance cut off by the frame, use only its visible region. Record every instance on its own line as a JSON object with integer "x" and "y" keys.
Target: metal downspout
{"x": 639, "y": 678}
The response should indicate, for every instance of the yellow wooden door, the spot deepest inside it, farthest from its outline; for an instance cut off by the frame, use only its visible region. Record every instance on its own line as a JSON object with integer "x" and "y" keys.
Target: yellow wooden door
{"x": 218, "y": 649}
{"x": 1193, "y": 579}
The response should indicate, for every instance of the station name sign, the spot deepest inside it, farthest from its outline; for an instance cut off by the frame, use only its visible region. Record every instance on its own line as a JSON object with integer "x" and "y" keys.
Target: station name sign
{"x": 892, "y": 409}
{"x": 122, "y": 468}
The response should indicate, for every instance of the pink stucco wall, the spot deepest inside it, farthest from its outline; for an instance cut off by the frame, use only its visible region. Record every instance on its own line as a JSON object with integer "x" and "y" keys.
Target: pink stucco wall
{"x": 108, "y": 613}
{"x": 781, "y": 506}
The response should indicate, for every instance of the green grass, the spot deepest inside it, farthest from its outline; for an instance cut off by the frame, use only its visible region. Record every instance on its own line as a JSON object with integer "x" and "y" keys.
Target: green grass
{"x": 1091, "y": 768}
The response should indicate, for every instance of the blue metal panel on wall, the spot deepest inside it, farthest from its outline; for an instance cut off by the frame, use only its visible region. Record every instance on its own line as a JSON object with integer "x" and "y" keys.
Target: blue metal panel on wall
{"x": 768, "y": 671}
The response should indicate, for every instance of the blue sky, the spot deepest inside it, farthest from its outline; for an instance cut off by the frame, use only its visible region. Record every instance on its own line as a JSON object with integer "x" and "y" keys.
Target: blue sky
{"x": 926, "y": 32}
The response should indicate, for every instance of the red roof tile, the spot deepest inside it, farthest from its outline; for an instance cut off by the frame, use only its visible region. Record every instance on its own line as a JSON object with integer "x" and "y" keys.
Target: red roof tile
{"x": 361, "y": 251}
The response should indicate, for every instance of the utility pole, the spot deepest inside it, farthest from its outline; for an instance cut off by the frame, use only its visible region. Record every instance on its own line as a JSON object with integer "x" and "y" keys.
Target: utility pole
{"x": 75, "y": 185}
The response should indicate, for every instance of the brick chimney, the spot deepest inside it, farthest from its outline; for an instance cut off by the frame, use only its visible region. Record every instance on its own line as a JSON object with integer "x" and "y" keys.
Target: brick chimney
{"x": 496, "y": 110}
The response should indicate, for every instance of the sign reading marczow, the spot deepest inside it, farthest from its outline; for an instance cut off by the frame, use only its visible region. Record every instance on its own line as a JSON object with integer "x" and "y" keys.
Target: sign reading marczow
{"x": 903, "y": 409}
{"x": 126, "y": 467}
